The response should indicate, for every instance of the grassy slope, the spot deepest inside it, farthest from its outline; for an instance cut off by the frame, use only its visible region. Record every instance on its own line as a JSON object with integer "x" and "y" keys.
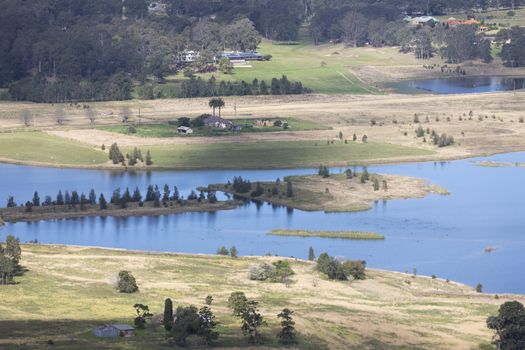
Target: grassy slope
{"x": 40, "y": 147}
{"x": 303, "y": 63}
{"x": 69, "y": 290}
{"x": 278, "y": 154}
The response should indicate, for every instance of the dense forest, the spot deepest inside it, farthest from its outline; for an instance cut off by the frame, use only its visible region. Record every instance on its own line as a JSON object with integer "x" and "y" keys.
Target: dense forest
{"x": 60, "y": 50}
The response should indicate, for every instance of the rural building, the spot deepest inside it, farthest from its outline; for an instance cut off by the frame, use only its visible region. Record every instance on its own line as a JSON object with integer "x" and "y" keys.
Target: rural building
{"x": 422, "y": 20}
{"x": 242, "y": 56}
{"x": 218, "y": 123}
{"x": 114, "y": 331}
{"x": 157, "y": 8}
{"x": 184, "y": 130}
{"x": 452, "y": 22}
{"x": 264, "y": 122}
{"x": 188, "y": 56}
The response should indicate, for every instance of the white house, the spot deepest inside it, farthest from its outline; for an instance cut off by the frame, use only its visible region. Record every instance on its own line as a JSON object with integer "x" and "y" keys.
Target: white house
{"x": 188, "y": 56}
{"x": 184, "y": 130}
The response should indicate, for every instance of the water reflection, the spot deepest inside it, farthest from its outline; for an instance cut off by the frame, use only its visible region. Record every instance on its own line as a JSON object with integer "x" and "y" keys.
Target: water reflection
{"x": 441, "y": 235}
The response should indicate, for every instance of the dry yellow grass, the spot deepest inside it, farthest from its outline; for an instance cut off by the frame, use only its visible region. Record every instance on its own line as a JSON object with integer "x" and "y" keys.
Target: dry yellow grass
{"x": 68, "y": 290}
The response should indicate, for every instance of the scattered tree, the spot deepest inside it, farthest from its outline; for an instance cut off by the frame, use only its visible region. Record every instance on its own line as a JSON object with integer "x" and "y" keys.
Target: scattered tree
{"x": 126, "y": 282}
{"x": 287, "y": 333}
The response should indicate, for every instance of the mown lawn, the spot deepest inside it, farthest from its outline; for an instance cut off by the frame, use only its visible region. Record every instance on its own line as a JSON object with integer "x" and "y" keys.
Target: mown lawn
{"x": 323, "y": 68}
{"x": 33, "y": 146}
{"x": 275, "y": 154}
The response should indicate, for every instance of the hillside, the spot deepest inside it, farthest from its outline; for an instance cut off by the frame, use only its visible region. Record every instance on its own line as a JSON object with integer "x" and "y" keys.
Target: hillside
{"x": 69, "y": 290}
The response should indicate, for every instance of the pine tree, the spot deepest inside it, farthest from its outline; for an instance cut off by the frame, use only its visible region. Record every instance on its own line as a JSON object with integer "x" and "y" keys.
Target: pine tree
{"x": 92, "y": 197}
{"x": 311, "y": 254}
{"x": 168, "y": 314}
{"x": 36, "y": 200}
{"x": 60, "y": 198}
{"x": 11, "y": 202}
{"x": 289, "y": 189}
{"x": 150, "y": 194}
{"x": 103, "y": 205}
{"x": 176, "y": 195}
{"x": 149, "y": 161}
{"x": 287, "y": 333}
{"x": 137, "y": 196}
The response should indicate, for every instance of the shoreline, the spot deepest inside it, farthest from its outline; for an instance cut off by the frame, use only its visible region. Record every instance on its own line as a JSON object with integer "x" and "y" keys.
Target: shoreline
{"x": 370, "y": 162}
{"x": 18, "y": 214}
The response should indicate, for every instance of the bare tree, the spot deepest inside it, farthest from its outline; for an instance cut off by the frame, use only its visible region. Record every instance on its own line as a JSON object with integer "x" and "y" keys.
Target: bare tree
{"x": 25, "y": 117}
{"x": 125, "y": 114}
{"x": 353, "y": 26}
{"x": 60, "y": 115}
{"x": 91, "y": 114}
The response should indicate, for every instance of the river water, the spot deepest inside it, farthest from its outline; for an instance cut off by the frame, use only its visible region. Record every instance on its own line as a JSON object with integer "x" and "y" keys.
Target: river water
{"x": 441, "y": 235}
{"x": 460, "y": 85}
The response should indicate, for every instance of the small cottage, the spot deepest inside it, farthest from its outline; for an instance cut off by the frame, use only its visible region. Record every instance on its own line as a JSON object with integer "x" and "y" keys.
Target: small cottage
{"x": 184, "y": 130}
{"x": 114, "y": 331}
{"x": 218, "y": 123}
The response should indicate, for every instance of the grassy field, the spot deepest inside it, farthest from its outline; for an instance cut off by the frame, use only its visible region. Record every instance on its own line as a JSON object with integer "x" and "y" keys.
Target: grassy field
{"x": 329, "y": 234}
{"x": 274, "y": 154}
{"x": 38, "y": 147}
{"x": 323, "y": 68}
{"x": 248, "y": 126}
{"x": 69, "y": 290}
{"x": 42, "y": 148}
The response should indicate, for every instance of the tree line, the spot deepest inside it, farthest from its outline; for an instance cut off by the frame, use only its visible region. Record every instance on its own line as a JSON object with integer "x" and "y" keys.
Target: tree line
{"x": 167, "y": 197}
{"x": 198, "y": 87}
{"x": 60, "y": 50}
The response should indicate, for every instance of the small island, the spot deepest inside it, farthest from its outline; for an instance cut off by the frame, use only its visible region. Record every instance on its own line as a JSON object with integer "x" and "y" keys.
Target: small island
{"x": 355, "y": 235}
{"x": 327, "y": 192}
{"x": 493, "y": 164}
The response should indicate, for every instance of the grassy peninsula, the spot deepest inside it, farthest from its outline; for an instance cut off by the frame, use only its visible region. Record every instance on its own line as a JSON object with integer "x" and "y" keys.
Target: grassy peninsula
{"x": 333, "y": 193}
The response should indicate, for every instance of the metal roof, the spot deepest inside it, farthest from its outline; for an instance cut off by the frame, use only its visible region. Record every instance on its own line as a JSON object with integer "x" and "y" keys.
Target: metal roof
{"x": 123, "y": 327}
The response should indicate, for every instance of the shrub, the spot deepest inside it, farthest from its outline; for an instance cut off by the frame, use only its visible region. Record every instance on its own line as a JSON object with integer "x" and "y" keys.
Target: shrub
{"x": 261, "y": 272}
{"x": 126, "y": 282}
{"x": 223, "y": 251}
{"x": 237, "y": 302}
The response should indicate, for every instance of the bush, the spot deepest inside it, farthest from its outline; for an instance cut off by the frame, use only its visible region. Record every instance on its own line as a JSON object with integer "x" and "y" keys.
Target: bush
{"x": 126, "y": 282}
{"x": 261, "y": 272}
{"x": 223, "y": 251}
{"x": 237, "y": 302}
{"x": 276, "y": 272}
{"x": 341, "y": 271}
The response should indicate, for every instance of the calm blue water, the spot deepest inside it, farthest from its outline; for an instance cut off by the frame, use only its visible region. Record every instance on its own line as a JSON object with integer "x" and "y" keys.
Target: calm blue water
{"x": 442, "y": 235}
{"x": 460, "y": 85}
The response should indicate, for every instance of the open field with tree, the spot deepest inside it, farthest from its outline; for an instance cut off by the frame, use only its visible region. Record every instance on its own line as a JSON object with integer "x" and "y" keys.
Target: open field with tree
{"x": 70, "y": 290}
{"x": 41, "y": 148}
{"x": 480, "y": 124}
